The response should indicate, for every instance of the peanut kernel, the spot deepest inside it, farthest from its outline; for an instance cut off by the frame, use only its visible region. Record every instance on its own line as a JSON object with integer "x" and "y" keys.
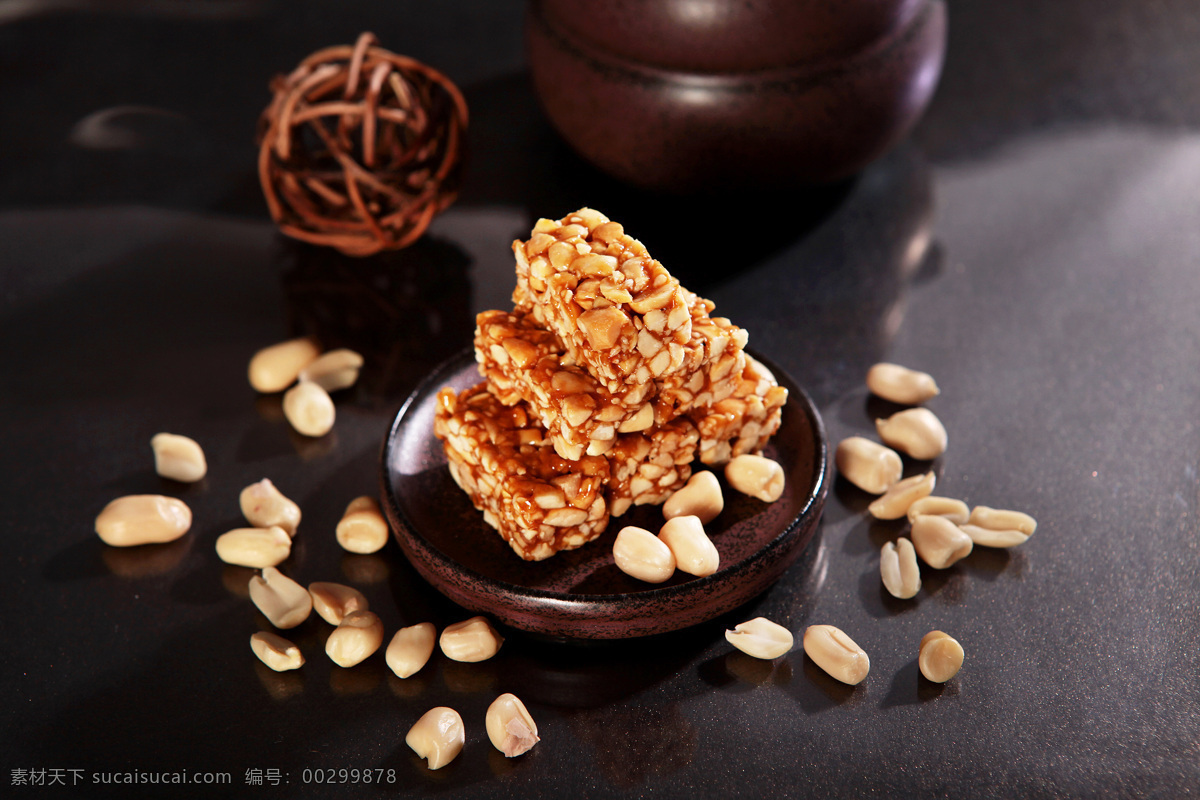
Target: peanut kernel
{"x": 362, "y": 528}
{"x": 939, "y": 542}
{"x": 281, "y": 600}
{"x": 470, "y": 640}
{"x": 263, "y": 505}
{"x": 756, "y": 476}
{"x": 337, "y": 369}
{"x": 700, "y": 497}
{"x": 915, "y": 431}
{"x": 642, "y": 420}
{"x": 410, "y": 649}
{"x": 895, "y": 502}
{"x": 992, "y": 527}
{"x": 985, "y": 537}
{"x": 254, "y": 547}
{"x": 274, "y": 368}
{"x": 642, "y": 555}
{"x": 276, "y": 652}
{"x": 603, "y": 326}
{"x": 868, "y": 465}
{"x": 143, "y": 519}
{"x": 178, "y": 457}
{"x": 438, "y": 736}
{"x": 836, "y": 653}
{"x": 901, "y": 384}
{"x": 941, "y": 656}
{"x": 899, "y": 569}
{"x": 761, "y": 638}
{"x": 333, "y": 601}
{"x": 694, "y": 552}
{"x": 309, "y": 409}
{"x": 510, "y": 727}
{"x": 358, "y": 636}
{"x": 954, "y": 510}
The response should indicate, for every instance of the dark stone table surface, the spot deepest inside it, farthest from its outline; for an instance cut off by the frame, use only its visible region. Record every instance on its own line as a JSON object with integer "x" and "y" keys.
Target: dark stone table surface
{"x": 1034, "y": 244}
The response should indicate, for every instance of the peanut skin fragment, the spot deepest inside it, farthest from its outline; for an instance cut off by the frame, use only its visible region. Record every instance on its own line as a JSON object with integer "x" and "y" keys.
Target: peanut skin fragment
{"x": 510, "y": 727}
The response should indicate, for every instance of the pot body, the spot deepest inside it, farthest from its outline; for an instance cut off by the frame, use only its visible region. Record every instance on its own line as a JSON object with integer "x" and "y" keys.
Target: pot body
{"x": 775, "y": 97}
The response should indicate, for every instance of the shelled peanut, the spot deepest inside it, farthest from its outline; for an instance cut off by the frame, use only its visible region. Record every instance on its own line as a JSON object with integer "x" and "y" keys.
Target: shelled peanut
{"x": 308, "y": 375}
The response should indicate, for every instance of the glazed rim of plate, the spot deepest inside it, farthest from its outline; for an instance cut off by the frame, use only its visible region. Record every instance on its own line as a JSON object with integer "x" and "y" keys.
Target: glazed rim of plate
{"x": 443, "y": 374}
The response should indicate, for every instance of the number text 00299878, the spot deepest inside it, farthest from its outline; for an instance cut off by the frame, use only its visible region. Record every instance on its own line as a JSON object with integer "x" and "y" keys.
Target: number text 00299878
{"x": 330, "y": 775}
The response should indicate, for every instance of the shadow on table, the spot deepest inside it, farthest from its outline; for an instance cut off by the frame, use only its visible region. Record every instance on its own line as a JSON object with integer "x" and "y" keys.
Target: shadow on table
{"x": 404, "y": 311}
{"x": 517, "y": 159}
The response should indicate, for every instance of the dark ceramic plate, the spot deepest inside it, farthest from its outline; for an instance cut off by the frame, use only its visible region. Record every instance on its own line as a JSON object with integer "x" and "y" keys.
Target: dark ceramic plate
{"x": 581, "y": 594}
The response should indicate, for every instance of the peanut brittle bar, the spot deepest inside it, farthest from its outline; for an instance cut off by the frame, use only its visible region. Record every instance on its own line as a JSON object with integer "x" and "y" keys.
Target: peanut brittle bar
{"x": 602, "y": 386}
{"x": 524, "y": 362}
{"x": 539, "y": 502}
{"x": 619, "y": 313}
{"x": 648, "y": 467}
{"x": 718, "y": 358}
{"x": 743, "y": 422}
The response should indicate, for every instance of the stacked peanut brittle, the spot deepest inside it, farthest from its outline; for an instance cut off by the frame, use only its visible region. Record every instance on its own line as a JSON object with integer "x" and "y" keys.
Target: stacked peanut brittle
{"x": 602, "y": 385}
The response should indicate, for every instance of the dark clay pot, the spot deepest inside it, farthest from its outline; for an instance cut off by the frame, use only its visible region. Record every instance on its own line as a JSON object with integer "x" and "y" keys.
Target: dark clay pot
{"x": 708, "y": 95}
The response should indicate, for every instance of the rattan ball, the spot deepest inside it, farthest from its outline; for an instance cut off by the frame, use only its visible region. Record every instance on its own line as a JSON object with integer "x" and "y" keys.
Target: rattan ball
{"x": 360, "y": 148}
